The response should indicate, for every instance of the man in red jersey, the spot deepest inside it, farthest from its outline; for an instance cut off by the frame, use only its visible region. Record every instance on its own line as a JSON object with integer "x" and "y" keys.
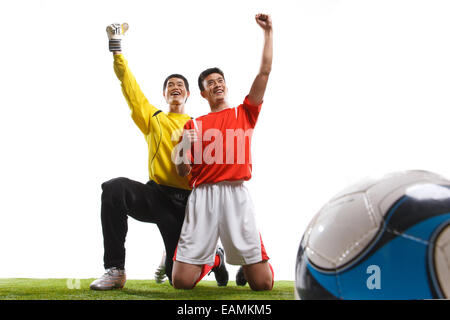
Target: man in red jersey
{"x": 215, "y": 150}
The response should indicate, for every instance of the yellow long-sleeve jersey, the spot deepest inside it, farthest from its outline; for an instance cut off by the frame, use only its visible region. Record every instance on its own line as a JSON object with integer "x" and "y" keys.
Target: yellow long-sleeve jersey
{"x": 161, "y": 130}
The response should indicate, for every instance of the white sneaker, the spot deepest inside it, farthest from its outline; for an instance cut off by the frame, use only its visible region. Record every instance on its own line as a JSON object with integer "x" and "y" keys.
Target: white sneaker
{"x": 114, "y": 278}
{"x": 160, "y": 274}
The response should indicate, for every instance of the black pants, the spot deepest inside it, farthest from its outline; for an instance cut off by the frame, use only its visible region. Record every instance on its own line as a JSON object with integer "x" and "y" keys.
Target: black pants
{"x": 149, "y": 202}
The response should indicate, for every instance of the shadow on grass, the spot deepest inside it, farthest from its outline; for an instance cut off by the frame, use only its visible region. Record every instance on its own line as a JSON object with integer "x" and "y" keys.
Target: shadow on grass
{"x": 208, "y": 293}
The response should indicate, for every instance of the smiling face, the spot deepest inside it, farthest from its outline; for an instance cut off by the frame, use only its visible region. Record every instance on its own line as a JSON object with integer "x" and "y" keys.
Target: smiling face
{"x": 215, "y": 89}
{"x": 175, "y": 91}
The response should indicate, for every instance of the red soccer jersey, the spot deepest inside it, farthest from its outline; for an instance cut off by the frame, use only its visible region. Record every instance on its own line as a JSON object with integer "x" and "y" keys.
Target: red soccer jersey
{"x": 222, "y": 152}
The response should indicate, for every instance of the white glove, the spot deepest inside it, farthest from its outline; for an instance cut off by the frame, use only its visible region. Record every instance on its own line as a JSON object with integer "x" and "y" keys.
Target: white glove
{"x": 115, "y": 33}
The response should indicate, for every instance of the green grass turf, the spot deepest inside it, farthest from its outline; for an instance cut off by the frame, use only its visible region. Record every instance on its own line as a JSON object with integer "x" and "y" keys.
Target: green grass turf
{"x": 58, "y": 289}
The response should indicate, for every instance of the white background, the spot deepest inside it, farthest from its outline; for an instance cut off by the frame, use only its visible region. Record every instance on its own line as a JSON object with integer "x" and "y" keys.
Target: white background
{"x": 358, "y": 89}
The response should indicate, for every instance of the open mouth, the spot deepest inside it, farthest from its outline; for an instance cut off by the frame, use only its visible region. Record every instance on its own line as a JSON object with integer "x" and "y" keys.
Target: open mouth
{"x": 218, "y": 91}
{"x": 175, "y": 93}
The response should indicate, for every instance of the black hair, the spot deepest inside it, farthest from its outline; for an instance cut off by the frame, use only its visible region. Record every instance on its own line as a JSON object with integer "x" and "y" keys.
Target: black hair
{"x": 179, "y": 76}
{"x": 206, "y": 73}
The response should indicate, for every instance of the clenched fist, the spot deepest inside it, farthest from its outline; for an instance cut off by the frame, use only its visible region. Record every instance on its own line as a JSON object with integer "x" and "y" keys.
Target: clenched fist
{"x": 189, "y": 137}
{"x": 264, "y": 21}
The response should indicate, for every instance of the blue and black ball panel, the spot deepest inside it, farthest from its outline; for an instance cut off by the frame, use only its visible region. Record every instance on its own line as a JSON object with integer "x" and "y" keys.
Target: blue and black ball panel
{"x": 437, "y": 290}
{"x": 307, "y": 286}
{"x": 403, "y": 250}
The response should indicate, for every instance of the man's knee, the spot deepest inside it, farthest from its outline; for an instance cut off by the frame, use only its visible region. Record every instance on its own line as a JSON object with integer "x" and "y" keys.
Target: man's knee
{"x": 184, "y": 275}
{"x": 113, "y": 188}
{"x": 261, "y": 285}
{"x": 114, "y": 184}
{"x": 180, "y": 282}
{"x": 259, "y": 276}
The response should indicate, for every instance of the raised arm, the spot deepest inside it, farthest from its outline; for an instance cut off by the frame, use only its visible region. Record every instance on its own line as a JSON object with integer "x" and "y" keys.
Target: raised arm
{"x": 141, "y": 109}
{"x": 258, "y": 88}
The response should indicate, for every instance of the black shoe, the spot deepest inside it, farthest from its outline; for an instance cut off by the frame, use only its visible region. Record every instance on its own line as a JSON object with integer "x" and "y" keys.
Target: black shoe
{"x": 240, "y": 278}
{"x": 221, "y": 272}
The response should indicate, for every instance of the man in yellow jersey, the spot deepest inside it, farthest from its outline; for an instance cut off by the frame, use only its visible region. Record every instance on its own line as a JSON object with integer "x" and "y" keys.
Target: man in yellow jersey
{"x": 162, "y": 200}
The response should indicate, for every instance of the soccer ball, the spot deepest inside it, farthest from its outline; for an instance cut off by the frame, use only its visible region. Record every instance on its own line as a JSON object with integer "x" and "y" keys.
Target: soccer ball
{"x": 379, "y": 239}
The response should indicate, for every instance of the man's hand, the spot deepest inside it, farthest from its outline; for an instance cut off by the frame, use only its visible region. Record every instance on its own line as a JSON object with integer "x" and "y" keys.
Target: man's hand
{"x": 258, "y": 88}
{"x": 264, "y": 21}
{"x": 182, "y": 152}
{"x": 115, "y": 32}
{"x": 189, "y": 137}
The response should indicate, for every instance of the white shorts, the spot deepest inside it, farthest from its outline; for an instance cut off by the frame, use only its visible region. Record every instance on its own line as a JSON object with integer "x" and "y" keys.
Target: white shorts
{"x": 222, "y": 210}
